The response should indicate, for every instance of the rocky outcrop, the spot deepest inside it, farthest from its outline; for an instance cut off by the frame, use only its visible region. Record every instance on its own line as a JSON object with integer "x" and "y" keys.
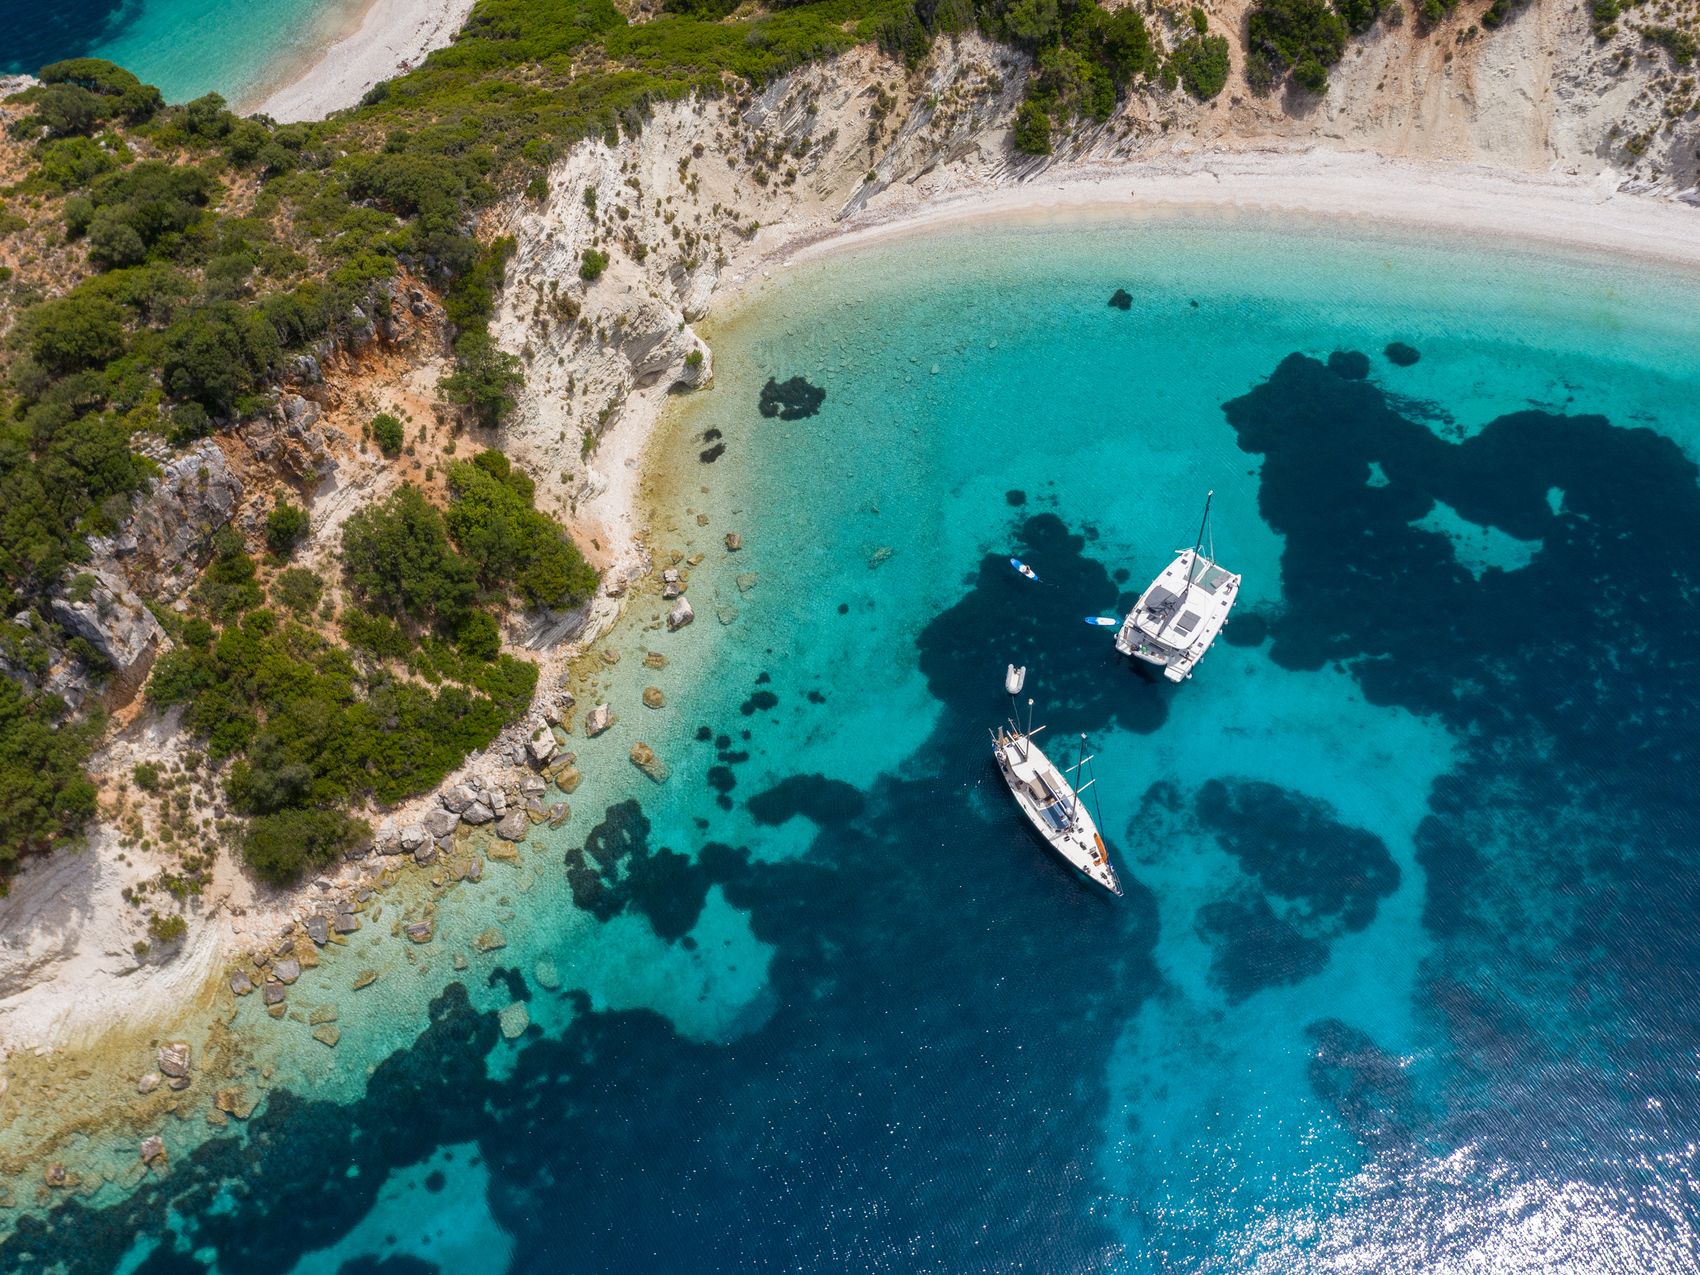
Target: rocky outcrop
{"x": 168, "y": 539}
{"x": 97, "y": 607}
{"x": 290, "y": 438}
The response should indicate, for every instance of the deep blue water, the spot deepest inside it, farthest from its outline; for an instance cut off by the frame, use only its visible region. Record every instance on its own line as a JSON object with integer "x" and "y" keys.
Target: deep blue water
{"x": 1405, "y": 977}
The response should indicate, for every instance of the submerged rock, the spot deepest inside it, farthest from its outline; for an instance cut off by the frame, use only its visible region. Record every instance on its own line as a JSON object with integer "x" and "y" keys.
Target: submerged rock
{"x": 152, "y": 1149}
{"x": 653, "y": 698}
{"x": 327, "y": 1035}
{"x": 601, "y": 717}
{"x": 148, "y": 1083}
{"x": 681, "y": 614}
{"x": 1121, "y": 299}
{"x": 1401, "y": 355}
{"x": 644, "y": 758}
{"x": 419, "y": 932}
{"x": 175, "y": 1059}
{"x": 790, "y": 400}
{"x": 545, "y": 972}
{"x": 365, "y": 978}
{"x": 514, "y": 1020}
{"x": 491, "y": 940}
{"x": 734, "y": 542}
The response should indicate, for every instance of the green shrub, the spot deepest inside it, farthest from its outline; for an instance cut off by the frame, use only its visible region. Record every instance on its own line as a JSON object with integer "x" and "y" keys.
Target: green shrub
{"x": 287, "y": 525}
{"x": 387, "y": 433}
{"x": 1201, "y": 64}
{"x": 591, "y": 265}
{"x": 299, "y": 590}
{"x": 1359, "y": 15}
{"x": 1032, "y": 131}
{"x": 45, "y": 797}
{"x": 169, "y": 927}
{"x": 146, "y": 775}
{"x": 73, "y": 333}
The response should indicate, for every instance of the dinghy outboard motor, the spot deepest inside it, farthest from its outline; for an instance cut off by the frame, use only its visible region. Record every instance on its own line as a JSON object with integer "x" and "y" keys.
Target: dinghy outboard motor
{"x": 1015, "y": 679}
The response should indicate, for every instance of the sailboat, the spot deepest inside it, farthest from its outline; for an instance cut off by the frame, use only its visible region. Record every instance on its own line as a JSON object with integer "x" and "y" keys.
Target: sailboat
{"x": 1178, "y": 617}
{"x": 1050, "y": 800}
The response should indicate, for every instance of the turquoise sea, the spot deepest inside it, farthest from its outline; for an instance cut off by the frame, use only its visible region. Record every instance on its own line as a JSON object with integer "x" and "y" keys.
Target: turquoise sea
{"x": 186, "y": 47}
{"x": 1406, "y": 976}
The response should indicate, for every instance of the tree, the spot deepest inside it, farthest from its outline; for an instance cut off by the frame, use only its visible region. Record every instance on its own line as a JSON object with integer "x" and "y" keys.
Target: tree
{"x": 286, "y": 526}
{"x": 1032, "y": 132}
{"x": 591, "y": 265}
{"x": 484, "y": 378}
{"x": 74, "y": 332}
{"x": 398, "y": 558}
{"x": 45, "y": 798}
{"x": 1121, "y": 43}
{"x": 387, "y": 433}
{"x": 1201, "y": 63}
{"x": 1307, "y": 36}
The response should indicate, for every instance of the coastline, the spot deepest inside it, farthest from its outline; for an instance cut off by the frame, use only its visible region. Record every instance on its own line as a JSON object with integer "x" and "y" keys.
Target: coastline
{"x": 1591, "y": 216}
{"x": 383, "y": 39}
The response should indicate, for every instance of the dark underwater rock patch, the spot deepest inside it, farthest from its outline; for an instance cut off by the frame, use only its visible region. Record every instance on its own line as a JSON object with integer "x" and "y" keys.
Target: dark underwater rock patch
{"x": 1368, "y": 1088}
{"x": 791, "y": 400}
{"x": 1015, "y": 498}
{"x": 616, "y": 869}
{"x": 1401, "y": 355}
{"x": 759, "y": 702}
{"x": 1121, "y": 299}
{"x": 825, "y": 802}
{"x": 1253, "y": 948}
{"x": 709, "y": 455}
{"x": 1351, "y": 365}
{"x": 1294, "y": 847}
{"x": 1246, "y": 628}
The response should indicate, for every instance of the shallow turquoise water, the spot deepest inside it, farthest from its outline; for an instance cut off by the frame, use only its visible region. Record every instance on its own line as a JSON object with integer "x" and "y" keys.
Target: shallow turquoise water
{"x": 185, "y": 47}
{"x": 1405, "y": 977}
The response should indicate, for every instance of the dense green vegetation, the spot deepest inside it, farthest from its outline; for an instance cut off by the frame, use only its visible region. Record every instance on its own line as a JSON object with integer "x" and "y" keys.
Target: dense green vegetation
{"x": 45, "y": 797}
{"x": 1300, "y": 37}
{"x": 1086, "y": 59}
{"x": 1200, "y": 63}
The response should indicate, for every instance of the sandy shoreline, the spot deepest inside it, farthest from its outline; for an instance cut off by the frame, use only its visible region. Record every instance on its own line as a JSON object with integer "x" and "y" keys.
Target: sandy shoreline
{"x": 1589, "y": 215}
{"x": 390, "y": 36}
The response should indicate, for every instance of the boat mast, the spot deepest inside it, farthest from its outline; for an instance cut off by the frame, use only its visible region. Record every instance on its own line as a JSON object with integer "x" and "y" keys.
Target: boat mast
{"x": 1029, "y": 735}
{"x": 1203, "y": 526}
{"x": 1075, "y": 789}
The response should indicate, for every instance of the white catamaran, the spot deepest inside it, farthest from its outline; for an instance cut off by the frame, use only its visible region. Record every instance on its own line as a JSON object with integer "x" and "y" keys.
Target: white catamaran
{"x": 1178, "y": 617}
{"x": 1051, "y": 803}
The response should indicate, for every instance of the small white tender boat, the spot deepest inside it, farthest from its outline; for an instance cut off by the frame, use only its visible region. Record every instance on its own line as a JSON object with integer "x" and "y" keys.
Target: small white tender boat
{"x": 1051, "y": 803}
{"x": 1178, "y": 617}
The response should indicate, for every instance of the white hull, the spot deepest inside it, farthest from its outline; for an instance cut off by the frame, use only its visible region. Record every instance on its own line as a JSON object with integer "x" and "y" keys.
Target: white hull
{"x": 1174, "y": 622}
{"x": 1053, "y": 808}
